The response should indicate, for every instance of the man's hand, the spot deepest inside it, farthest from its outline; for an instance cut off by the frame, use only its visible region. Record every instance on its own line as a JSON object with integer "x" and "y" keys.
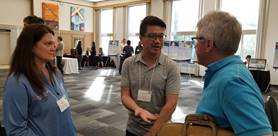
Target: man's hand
{"x": 145, "y": 115}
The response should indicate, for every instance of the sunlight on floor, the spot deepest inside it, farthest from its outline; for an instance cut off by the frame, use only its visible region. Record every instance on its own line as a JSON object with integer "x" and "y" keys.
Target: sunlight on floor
{"x": 96, "y": 89}
{"x": 178, "y": 115}
{"x": 109, "y": 95}
{"x": 199, "y": 83}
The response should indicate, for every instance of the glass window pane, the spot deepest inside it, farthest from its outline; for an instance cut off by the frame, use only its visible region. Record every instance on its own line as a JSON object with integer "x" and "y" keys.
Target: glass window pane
{"x": 134, "y": 41}
{"x": 247, "y": 16}
{"x": 135, "y": 16}
{"x": 105, "y": 44}
{"x": 247, "y": 46}
{"x": 184, "y": 15}
{"x": 106, "y": 22}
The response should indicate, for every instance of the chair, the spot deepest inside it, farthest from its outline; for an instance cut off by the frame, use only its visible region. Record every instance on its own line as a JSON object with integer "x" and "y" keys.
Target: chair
{"x": 272, "y": 112}
{"x": 2, "y": 130}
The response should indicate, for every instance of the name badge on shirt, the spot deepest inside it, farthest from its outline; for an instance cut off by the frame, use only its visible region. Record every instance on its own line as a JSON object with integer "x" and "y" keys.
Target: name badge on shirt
{"x": 144, "y": 95}
{"x": 63, "y": 103}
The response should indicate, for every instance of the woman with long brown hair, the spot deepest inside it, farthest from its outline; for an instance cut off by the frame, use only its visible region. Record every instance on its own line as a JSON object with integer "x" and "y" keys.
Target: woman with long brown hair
{"x": 35, "y": 100}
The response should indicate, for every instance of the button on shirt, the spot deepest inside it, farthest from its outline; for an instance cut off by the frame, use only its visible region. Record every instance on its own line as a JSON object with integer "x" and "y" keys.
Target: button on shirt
{"x": 233, "y": 99}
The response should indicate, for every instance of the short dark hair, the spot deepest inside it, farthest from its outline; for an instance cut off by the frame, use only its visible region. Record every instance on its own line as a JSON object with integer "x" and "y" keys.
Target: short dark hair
{"x": 151, "y": 21}
{"x": 248, "y": 56}
{"x": 33, "y": 20}
{"x": 128, "y": 42}
{"x": 60, "y": 38}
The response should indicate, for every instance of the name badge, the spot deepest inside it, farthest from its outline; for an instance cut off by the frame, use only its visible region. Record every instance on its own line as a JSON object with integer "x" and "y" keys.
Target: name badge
{"x": 63, "y": 103}
{"x": 144, "y": 95}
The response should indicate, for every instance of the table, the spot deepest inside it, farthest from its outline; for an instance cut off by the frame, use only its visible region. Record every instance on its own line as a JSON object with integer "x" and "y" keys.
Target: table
{"x": 262, "y": 77}
{"x": 70, "y": 65}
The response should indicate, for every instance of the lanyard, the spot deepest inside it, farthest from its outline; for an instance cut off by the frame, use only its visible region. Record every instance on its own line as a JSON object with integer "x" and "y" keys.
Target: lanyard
{"x": 150, "y": 87}
{"x": 57, "y": 86}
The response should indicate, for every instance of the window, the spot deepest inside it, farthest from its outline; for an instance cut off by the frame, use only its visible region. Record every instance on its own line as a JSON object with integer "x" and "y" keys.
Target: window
{"x": 135, "y": 15}
{"x": 106, "y": 29}
{"x": 249, "y": 21}
{"x": 184, "y": 19}
{"x": 185, "y": 15}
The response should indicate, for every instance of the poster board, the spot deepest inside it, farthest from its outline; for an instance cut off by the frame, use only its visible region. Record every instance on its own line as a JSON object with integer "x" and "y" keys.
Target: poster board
{"x": 184, "y": 51}
{"x": 77, "y": 22}
{"x": 173, "y": 50}
{"x": 179, "y": 50}
{"x": 275, "y": 61}
{"x": 50, "y": 15}
{"x": 114, "y": 48}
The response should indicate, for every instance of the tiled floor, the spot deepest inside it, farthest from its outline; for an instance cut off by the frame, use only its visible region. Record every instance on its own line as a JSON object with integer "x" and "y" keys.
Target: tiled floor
{"x": 96, "y": 106}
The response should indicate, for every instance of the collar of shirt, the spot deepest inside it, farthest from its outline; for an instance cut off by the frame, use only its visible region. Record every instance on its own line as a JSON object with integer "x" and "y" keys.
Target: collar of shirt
{"x": 219, "y": 64}
{"x": 160, "y": 61}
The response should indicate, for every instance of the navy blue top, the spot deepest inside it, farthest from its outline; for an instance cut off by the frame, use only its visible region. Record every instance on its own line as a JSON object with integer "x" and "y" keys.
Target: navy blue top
{"x": 233, "y": 99}
{"x": 27, "y": 114}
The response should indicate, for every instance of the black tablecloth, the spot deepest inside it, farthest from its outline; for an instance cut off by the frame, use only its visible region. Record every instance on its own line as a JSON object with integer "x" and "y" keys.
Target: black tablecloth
{"x": 262, "y": 77}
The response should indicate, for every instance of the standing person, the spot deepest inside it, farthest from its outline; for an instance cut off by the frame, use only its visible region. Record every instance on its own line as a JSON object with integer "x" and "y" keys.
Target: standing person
{"x": 127, "y": 52}
{"x": 150, "y": 82}
{"x": 99, "y": 59}
{"x": 35, "y": 100}
{"x": 138, "y": 48}
{"x": 59, "y": 53}
{"x": 128, "y": 49}
{"x": 93, "y": 59}
{"x": 230, "y": 95}
{"x": 79, "y": 54}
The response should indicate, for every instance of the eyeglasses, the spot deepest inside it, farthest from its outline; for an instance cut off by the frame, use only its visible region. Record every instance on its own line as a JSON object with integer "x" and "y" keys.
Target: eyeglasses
{"x": 195, "y": 39}
{"x": 153, "y": 37}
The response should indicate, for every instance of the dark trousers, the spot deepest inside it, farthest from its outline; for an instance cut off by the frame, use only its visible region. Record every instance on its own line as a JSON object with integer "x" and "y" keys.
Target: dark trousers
{"x": 59, "y": 64}
{"x": 129, "y": 133}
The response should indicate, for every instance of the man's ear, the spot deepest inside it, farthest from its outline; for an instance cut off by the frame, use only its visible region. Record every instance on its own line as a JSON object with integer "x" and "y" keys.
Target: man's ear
{"x": 209, "y": 45}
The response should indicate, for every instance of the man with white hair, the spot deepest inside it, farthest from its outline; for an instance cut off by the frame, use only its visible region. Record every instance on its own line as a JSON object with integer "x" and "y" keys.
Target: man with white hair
{"x": 230, "y": 95}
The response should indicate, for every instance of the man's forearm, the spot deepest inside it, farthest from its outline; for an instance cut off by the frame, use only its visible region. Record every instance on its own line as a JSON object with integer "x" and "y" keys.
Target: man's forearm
{"x": 164, "y": 116}
{"x": 129, "y": 103}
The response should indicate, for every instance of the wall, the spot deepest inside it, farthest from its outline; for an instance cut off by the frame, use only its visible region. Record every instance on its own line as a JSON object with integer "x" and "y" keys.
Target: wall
{"x": 68, "y": 38}
{"x": 64, "y": 14}
{"x": 5, "y": 48}
{"x": 12, "y": 12}
{"x": 272, "y": 37}
{"x": 157, "y": 8}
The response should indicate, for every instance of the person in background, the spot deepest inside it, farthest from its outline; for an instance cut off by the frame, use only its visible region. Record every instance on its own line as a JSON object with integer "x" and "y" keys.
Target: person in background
{"x": 230, "y": 95}
{"x": 150, "y": 82}
{"x": 35, "y": 101}
{"x": 127, "y": 52}
{"x": 85, "y": 59}
{"x": 123, "y": 43}
{"x": 93, "y": 58}
{"x": 99, "y": 58}
{"x": 138, "y": 48}
{"x": 32, "y": 20}
{"x": 247, "y": 61}
{"x": 79, "y": 54}
{"x": 59, "y": 53}
{"x": 128, "y": 49}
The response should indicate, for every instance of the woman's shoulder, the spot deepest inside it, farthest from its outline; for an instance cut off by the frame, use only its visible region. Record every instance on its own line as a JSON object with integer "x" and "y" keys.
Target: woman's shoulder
{"x": 16, "y": 78}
